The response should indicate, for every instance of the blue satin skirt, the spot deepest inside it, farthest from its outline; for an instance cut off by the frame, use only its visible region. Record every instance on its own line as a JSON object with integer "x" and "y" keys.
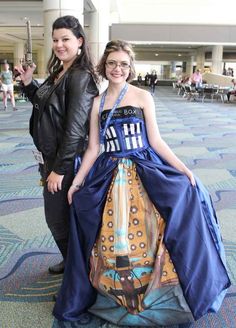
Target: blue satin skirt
{"x": 192, "y": 237}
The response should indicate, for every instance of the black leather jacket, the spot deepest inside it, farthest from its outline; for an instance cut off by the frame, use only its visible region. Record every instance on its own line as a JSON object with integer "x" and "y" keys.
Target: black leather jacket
{"x": 60, "y": 118}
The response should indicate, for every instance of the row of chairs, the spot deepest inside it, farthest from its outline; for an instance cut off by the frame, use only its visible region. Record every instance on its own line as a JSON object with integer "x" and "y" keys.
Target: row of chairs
{"x": 200, "y": 94}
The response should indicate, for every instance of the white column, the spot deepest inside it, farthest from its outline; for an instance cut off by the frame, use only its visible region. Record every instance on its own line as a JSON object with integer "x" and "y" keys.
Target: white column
{"x": 40, "y": 63}
{"x": 189, "y": 66}
{"x": 200, "y": 61}
{"x": 18, "y": 52}
{"x": 52, "y": 9}
{"x": 173, "y": 69}
{"x": 217, "y": 57}
{"x": 99, "y": 29}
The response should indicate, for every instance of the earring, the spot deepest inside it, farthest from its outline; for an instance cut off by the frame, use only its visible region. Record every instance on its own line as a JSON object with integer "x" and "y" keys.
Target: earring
{"x": 78, "y": 51}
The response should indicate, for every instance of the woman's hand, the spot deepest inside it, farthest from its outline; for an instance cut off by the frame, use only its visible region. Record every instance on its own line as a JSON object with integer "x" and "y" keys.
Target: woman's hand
{"x": 26, "y": 74}
{"x": 54, "y": 182}
{"x": 191, "y": 177}
{"x": 71, "y": 191}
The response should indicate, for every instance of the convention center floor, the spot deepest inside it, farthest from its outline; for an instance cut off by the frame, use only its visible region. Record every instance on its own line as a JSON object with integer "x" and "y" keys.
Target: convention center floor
{"x": 202, "y": 134}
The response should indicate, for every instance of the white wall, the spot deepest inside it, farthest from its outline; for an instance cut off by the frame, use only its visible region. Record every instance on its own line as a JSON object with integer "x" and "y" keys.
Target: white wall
{"x": 178, "y": 11}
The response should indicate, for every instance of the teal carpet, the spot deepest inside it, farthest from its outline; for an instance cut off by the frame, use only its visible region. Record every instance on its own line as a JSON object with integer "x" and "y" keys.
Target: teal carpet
{"x": 202, "y": 134}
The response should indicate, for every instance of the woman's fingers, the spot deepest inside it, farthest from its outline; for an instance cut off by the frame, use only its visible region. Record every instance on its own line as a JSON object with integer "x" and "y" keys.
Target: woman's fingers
{"x": 69, "y": 195}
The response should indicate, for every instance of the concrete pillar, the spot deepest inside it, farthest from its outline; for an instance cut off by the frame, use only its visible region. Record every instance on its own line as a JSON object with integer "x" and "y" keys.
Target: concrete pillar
{"x": 200, "y": 60}
{"x": 166, "y": 71}
{"x": 99, "y": 29}
{"x": 19, "y": 48}
{"x": 161, "y": 72}
{"x": 189, "y": 66}
{"x": 217, "y": 57}
{"x": 172, "y": 69}
{"x": 40, "y": 64}
{"x": 184, "y": 67}
{"x": 52, "y": 9}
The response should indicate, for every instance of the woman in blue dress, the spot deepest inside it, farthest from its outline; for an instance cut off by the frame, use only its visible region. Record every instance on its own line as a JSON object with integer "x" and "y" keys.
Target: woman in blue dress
{"x": 145, "y": 247}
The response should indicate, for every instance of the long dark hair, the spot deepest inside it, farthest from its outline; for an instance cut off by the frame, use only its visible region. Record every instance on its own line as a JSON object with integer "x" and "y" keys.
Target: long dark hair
{"x": 84, "y": 59}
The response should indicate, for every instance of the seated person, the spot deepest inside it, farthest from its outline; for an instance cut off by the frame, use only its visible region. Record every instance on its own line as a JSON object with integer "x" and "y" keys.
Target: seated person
{"x": 196, "y": 79}
{"x": 186, "y": 80}
{"x": 232, "y": 90}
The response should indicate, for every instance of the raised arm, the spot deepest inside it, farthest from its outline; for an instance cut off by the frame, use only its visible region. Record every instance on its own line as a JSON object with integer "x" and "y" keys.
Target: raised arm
{"x": 30, "y": 86}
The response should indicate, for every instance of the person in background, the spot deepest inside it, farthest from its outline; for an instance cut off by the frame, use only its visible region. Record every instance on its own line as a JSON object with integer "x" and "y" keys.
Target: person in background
{"x": 139, "y": 79}
{"x": 153, "y": 81}
{"x": 147, "y": 80}
{"x": 230, "y": 71}
{"x": 60, "y": 120}
{"x": 141, "y": 247}
{"x": 186, "y": 80}
{"x": 232, "y": 90}
{"x": 196, "y": 79}
{"x": 7, "y": 85}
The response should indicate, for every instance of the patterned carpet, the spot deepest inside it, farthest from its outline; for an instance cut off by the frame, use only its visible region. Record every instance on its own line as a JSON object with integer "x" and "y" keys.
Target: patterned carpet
{"x": 202, "y": 134}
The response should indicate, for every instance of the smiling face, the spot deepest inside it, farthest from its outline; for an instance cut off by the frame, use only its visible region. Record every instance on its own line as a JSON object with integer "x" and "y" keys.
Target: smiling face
{"x": 65, "y": 45}
{"x": 117, "y": 66}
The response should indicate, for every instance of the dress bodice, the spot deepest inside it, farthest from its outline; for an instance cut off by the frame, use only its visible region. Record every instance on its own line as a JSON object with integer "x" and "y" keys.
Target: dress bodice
{"x": 126, "y": 132}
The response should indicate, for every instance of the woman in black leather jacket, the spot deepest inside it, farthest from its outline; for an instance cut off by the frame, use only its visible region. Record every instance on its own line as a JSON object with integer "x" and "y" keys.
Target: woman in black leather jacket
{"x": 59, "y": 121}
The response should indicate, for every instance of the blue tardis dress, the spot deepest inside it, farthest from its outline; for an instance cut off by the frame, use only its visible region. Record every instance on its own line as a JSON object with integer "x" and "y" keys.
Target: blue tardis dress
{"x": 145, "y": 247}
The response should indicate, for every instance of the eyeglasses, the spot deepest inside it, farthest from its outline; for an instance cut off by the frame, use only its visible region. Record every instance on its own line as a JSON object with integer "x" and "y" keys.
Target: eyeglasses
{"x": 113, "y": 64}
